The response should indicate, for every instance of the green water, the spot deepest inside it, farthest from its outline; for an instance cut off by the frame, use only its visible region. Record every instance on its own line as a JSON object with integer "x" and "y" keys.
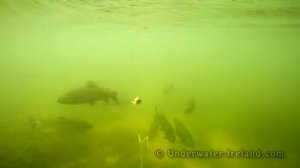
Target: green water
{"x": 239, "y": 60}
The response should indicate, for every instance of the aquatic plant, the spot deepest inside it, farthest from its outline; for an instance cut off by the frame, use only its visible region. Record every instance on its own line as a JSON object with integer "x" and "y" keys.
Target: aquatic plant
{"x": 143, "y": 141}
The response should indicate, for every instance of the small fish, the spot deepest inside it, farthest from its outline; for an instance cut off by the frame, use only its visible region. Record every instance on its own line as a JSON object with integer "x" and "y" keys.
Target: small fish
{"x": 88, "y": 94}
{"x": 184, "y": 134}
{"x": 168, "y": 89}
{"x": 33, "y": 122}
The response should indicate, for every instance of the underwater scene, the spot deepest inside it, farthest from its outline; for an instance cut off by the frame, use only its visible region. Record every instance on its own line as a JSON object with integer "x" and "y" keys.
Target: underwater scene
{"x": 149, "y": 83}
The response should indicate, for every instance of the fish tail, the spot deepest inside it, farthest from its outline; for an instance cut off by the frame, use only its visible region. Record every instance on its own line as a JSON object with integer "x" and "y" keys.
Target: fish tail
{"x": 114, "y": 97}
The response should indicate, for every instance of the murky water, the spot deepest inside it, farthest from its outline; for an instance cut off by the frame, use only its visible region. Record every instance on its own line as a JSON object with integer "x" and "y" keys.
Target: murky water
{"x": 227, "y": 70}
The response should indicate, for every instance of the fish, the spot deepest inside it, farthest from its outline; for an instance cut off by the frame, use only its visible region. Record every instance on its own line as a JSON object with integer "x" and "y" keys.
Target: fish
{"x": 73, "y": 125}
{"x": 88, "y": 94}
{"x": 166, "y": 127}
{"x": 64, "y": 125}
{"x": 190, "y": 107}
{"x": 183, "y": 133}
{"x": 168, "y": 89}
{"x": 33, "y": 121}
{"x": 155, "y": 126}
{"x": 160, "y": 122}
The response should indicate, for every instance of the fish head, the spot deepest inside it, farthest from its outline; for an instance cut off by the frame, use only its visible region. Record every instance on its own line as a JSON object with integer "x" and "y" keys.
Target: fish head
{"x": 66, "y": 100}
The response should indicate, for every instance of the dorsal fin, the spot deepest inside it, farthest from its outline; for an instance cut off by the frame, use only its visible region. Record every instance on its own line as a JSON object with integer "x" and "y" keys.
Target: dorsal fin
{"x": 92, "y": 84}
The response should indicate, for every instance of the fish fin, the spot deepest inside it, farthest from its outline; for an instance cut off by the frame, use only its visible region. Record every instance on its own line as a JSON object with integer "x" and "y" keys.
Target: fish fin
{"x": 114, "y": 96}
{"x": 116, "y": 100}
{"x": 91, "y": 84}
